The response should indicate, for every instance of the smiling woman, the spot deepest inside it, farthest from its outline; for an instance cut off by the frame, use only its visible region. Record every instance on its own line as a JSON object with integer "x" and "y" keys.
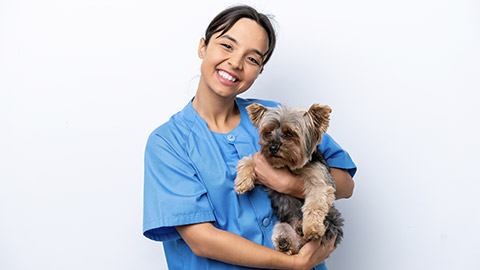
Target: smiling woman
{"x": 190, "y": 203}
{"x": 231, "y": 62}
{"x": 226, "y": 19}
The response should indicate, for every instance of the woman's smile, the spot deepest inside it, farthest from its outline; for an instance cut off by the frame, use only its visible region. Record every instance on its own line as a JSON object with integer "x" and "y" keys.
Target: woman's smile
{"x": 227, "y": 78}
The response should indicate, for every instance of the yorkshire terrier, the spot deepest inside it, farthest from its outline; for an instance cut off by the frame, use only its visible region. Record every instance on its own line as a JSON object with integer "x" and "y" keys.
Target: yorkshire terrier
{"x": 289, "y": 138}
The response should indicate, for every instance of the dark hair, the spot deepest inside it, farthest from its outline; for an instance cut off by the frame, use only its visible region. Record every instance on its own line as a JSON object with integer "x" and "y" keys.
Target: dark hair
{"x": 227, "y": 18}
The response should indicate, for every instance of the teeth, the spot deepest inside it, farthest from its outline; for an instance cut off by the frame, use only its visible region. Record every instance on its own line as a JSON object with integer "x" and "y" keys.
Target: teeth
{"x": 226, "y": 76}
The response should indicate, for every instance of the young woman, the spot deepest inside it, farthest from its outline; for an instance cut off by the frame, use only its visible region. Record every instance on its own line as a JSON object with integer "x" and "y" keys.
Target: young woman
{"x": 189, "y": 200}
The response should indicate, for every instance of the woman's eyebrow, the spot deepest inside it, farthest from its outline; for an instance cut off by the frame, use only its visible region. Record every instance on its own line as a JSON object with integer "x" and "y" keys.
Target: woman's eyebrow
{"x": 235, "y": 41}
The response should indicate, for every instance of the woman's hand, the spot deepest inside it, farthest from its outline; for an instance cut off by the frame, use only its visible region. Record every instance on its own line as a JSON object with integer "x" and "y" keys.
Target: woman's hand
{"x": 283, "y": 181}
{"x": 313, "y": 253}
{"x": 280, "y": 180}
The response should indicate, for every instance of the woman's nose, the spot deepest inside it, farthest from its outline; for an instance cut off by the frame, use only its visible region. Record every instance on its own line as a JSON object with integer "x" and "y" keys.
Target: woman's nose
{"x": 235, "y": 61}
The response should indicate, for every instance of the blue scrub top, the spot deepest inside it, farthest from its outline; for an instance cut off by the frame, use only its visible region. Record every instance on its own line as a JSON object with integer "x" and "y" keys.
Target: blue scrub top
{"x": 189, "y": 178}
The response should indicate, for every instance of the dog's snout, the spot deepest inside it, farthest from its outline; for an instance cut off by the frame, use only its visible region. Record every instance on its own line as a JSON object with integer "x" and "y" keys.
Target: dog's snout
{"x": 274, "y": 148}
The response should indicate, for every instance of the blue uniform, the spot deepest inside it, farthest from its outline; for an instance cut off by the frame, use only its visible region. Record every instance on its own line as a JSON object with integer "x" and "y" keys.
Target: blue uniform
{"x": 189, "y": 178}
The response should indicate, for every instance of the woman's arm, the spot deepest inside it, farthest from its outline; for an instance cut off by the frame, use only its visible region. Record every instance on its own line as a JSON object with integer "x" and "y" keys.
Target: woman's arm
{"x": 343, "y": 182}
{"x": 285, "y": 182}
{"x": 207, "y": 241}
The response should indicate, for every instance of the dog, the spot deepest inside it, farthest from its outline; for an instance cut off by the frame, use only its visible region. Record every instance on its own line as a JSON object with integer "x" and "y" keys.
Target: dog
{"x": 289, "y": 138}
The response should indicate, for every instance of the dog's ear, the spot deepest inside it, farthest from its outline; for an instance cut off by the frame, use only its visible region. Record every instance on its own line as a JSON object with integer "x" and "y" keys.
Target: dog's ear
{"x": 256, "y": 112}
{"x": 319, "y": 115}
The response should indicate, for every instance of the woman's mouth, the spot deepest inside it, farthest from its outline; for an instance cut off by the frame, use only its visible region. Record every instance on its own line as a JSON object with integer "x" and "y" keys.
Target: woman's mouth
{"x": 226, "y": 78}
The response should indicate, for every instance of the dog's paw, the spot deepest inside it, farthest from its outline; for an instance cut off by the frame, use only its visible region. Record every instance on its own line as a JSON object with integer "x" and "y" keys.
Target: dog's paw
{"x": 284, "y": 238}
{"x": 284, "y": 244}
{"x": 313, "y": 228}
{"x": 243, "y": 185}
{"x": 245, "y": 179}
{"x": 298, "y": 228}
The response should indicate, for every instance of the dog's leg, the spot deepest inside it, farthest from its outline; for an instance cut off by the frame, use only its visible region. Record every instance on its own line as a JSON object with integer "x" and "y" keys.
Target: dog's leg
{"x": 319, "y": 197}
{"x": 298, "y": 226}
{"x": 245, "y": 180}
{"x": 285, "y": 238}
{"x": 334, "y": 224}
{"x": 317, "y": 203}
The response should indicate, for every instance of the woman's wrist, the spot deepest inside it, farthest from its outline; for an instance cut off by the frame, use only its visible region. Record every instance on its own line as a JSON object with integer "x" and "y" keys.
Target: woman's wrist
{"x": 297, "y": 263}
{"x": 294, "y": 187}
{"x": 294, "y": 262}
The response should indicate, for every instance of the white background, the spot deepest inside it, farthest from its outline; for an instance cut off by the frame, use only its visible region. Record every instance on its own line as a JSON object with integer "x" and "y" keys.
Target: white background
{"x": 83, "y": 83}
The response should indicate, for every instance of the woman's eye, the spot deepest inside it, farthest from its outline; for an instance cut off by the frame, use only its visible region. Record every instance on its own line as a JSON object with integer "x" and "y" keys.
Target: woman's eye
{"x": 226, "y": 46}
{"x": 253, "y": 60}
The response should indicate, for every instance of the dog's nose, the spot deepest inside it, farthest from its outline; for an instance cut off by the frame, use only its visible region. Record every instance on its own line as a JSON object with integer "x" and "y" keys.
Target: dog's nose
{"x": 274, "y": 148}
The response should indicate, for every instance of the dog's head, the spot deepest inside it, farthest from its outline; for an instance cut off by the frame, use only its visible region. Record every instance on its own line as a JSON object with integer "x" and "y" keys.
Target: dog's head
{"x": 289, "y": 136}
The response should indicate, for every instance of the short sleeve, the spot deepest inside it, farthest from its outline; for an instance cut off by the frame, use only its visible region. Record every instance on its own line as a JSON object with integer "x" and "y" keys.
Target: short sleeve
{"x": 335, "y": 156}
{"x": 173, "y": 194}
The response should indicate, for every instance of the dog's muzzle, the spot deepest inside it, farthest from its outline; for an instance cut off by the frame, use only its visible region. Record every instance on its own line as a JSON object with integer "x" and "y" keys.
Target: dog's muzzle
{"x": 274, "y": 148}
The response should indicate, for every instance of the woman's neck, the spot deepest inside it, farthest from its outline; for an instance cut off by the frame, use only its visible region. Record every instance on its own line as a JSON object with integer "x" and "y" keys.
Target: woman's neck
{"x": 221, "y": 114}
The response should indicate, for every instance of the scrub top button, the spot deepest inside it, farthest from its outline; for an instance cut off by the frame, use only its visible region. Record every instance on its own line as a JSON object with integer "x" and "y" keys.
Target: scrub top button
{"x": 231, "y": 138}
{"x": 266, "y": 222}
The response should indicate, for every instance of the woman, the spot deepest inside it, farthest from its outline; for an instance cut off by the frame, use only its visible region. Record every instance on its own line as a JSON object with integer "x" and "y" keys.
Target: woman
{"x": 190, "y": 161}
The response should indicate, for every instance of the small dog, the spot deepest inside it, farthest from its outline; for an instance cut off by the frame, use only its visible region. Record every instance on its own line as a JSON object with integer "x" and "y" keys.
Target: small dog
{"x": 289, "y": 138}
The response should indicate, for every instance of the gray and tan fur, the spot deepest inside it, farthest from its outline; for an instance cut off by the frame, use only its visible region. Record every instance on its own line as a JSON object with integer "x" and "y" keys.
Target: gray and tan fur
{"x": 289, "y": 138}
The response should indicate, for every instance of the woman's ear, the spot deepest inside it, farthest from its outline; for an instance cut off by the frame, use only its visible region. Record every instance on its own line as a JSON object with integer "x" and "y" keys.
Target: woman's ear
{"x": 201, "y": 48}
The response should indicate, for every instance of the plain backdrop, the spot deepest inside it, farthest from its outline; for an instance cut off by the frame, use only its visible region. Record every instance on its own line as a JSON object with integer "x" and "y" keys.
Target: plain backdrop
{"x": 83, "y": 83}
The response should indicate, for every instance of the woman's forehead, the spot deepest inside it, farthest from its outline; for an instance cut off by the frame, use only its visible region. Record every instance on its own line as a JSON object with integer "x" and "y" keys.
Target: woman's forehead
{"x": 247, "y": 32}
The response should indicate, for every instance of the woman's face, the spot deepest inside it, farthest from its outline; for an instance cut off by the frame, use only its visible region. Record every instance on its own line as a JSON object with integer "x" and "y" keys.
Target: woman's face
{"x": 232, "y": 62}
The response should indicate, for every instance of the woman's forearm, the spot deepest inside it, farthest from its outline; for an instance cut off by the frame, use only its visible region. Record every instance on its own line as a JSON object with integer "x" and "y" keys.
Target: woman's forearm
{"x": 343, "y": 182}
{"x": 207, "y": 241}
{"x": 283, "y": 181}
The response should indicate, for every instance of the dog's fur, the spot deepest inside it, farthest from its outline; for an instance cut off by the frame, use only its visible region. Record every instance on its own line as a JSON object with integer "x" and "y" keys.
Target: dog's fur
{"x": 289, "y": 138}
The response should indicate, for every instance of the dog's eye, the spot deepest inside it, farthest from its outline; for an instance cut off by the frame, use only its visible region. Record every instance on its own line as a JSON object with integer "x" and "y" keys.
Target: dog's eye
{"x": 287, "y": 134}
{"x": 266, "y": 133}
